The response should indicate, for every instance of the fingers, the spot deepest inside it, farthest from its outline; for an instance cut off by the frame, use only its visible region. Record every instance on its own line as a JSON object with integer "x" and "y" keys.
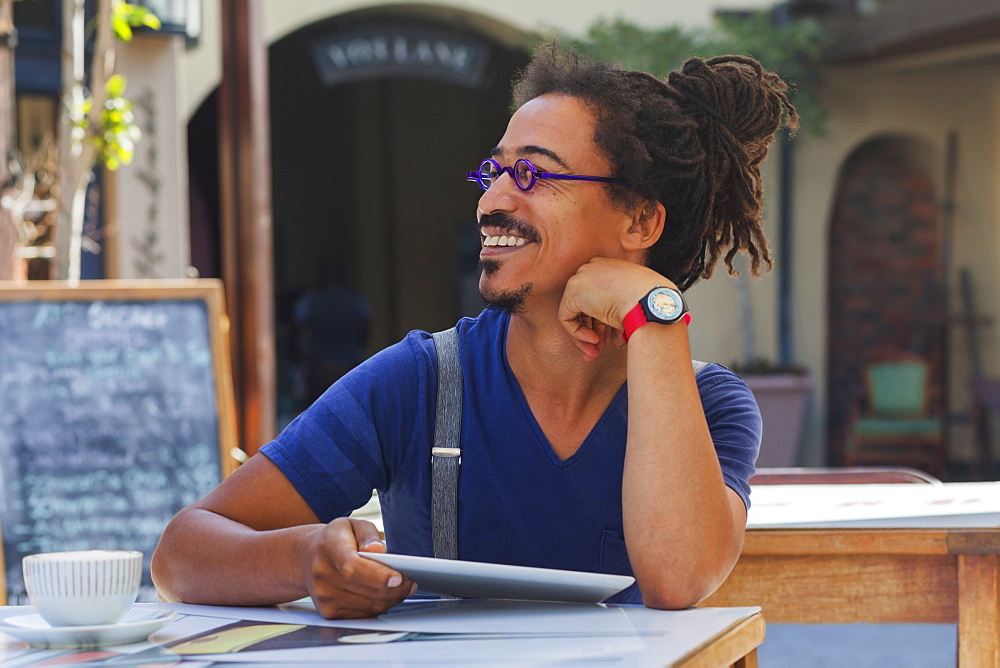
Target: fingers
{"x": 587, "y": 329}
{"x": 602, "y": 330}
{"x": 605, "y": 289}
{"x": 588, "y": 333}
{"x": 348, "y": 605}
{"x": 367, "y": 536}
{"x": 616, "y": 337}
{"x": 593, "y": 296}
{"x": 597, "y": 338}
{"x": 585, "y": 334}
{"x": 590, "y": 351}
{"x": 344, "y": 584}
{"x": 575, "y": 319}
{"x": 343, "y": 604}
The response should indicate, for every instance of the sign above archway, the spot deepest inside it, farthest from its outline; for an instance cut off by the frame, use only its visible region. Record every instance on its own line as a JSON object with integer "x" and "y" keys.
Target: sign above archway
{"x": 399, "y": 50}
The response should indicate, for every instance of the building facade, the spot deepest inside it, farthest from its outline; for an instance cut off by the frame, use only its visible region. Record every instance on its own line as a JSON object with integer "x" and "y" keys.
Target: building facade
{"x": 379, "y": 109}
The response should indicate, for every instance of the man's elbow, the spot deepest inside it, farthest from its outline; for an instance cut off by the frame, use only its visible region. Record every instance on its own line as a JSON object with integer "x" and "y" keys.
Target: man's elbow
{"x": 673, "y": 595}
{"x": 166, "y": 564}
{"x": 159, "y": 571}
{"x": 683, "y": 588}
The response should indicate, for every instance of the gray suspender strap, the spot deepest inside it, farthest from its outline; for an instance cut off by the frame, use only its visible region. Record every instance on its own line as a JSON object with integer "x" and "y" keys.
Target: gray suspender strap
{"x": 446, "y": 454}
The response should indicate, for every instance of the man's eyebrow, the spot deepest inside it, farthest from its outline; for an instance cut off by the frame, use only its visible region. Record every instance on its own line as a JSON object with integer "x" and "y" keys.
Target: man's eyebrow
{"x": 532, "y": 149}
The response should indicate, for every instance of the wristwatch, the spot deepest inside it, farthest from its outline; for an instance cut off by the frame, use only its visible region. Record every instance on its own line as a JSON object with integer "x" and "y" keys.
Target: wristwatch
{"x": 663, "y": 305}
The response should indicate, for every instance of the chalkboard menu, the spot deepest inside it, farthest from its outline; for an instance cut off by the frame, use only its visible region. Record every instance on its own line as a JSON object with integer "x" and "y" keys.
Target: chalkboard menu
{"x": 115, "y": 413}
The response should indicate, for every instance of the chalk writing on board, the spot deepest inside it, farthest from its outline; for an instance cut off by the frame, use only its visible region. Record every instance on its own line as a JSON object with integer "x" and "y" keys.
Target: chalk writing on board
{"x": 108, "y": 424}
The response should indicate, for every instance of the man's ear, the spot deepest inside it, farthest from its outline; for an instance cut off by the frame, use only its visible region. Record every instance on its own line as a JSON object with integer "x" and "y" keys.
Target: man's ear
{"x": 646, "y": 227}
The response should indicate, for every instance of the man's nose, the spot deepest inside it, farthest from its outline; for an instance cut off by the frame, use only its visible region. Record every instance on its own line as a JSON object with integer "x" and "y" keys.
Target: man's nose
{"x": 502, "y": 195}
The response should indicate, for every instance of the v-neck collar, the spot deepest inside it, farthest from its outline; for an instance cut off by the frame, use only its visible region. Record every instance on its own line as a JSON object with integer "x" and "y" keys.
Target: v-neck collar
{"x": 540, "y": 439}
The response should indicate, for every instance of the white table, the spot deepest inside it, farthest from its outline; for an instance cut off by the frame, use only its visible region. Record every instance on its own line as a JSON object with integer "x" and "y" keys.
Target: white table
{"x": 480, "y": 631}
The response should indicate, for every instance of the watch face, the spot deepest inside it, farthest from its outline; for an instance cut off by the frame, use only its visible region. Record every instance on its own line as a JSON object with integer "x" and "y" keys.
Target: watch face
{"x": 665, "y": 304}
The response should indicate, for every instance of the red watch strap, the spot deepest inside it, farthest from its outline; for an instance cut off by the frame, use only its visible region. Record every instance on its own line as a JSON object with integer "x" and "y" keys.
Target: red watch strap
{"x": 633, "y": 320}
{"x": 636, "y": 318}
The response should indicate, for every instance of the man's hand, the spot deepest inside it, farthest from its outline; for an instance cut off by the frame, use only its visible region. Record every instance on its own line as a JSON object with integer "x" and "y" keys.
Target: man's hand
{"x": 597, "y": 299}
{"x": 344, "y": 585}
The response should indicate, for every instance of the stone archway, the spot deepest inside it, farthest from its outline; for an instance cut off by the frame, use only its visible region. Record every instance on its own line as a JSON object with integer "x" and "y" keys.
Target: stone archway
{"x": 376, "y": 117}
{"x": 885, "y": 280}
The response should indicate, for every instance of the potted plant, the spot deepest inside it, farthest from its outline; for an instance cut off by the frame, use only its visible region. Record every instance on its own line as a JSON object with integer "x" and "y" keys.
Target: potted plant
{"x": 782, "y": 392}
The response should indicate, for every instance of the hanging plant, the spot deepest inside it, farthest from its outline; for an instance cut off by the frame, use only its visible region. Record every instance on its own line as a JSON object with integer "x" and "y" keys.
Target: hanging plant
{"x": 125, "y": 16}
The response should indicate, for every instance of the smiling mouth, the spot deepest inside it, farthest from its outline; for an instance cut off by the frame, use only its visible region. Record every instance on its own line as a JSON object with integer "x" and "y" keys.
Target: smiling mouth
{"x": 503, "y": 231}
{"x": 503, "y": 240}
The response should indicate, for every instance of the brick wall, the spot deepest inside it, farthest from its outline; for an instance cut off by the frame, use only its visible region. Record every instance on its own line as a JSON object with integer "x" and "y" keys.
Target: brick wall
{"x": 885, "y": 291}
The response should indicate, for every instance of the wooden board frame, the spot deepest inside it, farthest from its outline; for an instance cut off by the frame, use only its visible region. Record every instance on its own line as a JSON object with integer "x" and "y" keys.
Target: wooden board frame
{"x": 208, "y": 291}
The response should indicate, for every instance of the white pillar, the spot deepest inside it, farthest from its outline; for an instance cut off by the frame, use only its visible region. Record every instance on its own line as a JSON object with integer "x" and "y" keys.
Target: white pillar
{"x": 147, "y": 214}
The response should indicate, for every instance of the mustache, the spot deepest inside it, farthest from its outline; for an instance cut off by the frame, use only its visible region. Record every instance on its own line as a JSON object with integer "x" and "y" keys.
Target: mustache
{"x": 508, "y": 223}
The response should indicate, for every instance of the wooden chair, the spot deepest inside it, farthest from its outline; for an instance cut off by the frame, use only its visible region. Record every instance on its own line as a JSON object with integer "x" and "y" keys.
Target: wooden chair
{"x": 844, "y": 475}
{"x": 984, "y": 403}
{"x": 897, "y": 423}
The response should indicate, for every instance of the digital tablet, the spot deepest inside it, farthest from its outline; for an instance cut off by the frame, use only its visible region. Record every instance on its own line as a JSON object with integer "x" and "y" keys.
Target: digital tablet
{"x": 473, "y": 579}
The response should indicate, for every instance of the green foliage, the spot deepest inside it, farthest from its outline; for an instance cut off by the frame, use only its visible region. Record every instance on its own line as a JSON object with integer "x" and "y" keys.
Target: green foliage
{"x": 792, "y": 49}
{"x": 654, "y": 50}
{"x": 116, "y": 133}
{"x": 125, "y": 16}
{"x": 79, "y": 119}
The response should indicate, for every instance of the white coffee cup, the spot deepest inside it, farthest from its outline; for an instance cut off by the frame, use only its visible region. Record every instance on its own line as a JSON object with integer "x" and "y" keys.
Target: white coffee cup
{"x": 86, "y": 588}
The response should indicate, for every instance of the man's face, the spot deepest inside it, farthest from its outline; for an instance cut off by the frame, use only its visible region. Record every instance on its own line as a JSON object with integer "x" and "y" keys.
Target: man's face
{"x": 556, "y": 226}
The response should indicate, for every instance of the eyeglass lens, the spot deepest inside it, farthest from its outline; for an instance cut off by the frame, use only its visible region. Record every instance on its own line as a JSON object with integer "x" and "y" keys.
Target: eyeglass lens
{"x": 523, "y": 173}
{"x": 488, "y": 173}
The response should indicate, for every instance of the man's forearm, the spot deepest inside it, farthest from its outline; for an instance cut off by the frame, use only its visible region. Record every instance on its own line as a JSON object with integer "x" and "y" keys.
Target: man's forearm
{"x": 681, "y": 529}
{"x": 206, "y": 558}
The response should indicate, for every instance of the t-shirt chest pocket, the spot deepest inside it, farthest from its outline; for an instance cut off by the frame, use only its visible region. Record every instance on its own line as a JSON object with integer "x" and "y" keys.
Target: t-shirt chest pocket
{"x": 614, "y": 560}
{"x": 614, "y": 556}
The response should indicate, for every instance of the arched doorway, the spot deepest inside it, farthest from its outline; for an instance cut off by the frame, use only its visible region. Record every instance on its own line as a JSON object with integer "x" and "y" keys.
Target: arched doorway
{"x": 376, "y": 117}
{"x": 885, "y": 281}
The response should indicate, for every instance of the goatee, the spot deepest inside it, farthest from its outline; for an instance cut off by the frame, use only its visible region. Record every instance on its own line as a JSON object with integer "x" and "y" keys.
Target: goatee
{"x": 511, "y": 301}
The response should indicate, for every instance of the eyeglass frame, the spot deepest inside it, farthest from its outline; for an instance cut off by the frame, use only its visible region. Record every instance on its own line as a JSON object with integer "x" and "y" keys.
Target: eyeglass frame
{"x": 536, "y": 175}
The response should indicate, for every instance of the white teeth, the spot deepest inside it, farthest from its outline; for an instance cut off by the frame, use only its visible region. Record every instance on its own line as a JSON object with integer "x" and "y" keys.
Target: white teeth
{"x": 503, "y": 240}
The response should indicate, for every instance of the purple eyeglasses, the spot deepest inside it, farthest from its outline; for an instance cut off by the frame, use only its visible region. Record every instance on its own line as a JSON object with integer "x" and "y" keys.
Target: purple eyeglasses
{"x": 526, "y": 175}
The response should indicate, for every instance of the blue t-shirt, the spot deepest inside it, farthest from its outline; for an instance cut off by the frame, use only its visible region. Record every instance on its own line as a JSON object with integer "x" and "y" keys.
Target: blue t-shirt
{"x": 518, "y": 503}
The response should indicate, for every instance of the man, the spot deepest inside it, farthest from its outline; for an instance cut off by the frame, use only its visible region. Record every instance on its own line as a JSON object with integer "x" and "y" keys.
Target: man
{"x": 609, "y": 193}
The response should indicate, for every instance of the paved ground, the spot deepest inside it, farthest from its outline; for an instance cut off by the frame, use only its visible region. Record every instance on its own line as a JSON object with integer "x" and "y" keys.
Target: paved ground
{"x": 859, "y": 646}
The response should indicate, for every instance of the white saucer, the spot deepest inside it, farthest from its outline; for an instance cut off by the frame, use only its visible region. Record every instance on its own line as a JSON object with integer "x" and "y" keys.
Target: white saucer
{"x": 136, "y": 625}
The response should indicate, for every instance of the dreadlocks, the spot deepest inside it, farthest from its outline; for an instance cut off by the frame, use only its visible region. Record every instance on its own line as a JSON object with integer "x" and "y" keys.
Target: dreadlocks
{"x": 693, "y": 142}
